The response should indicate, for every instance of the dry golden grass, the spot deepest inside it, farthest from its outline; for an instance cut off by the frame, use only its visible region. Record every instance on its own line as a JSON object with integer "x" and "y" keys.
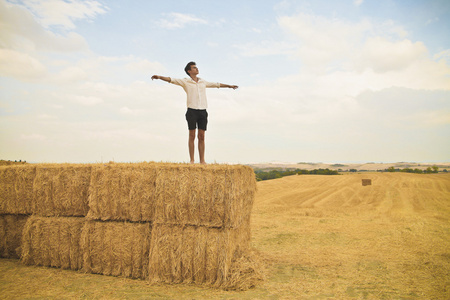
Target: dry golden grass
{"x": 332, "y": 237}
{"x": 320, "y": 236}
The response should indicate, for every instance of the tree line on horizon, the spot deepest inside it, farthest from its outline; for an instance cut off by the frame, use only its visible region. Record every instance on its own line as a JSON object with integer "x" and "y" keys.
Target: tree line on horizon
{"x": 429, "y": 170}
{"x": 273, "y": 174}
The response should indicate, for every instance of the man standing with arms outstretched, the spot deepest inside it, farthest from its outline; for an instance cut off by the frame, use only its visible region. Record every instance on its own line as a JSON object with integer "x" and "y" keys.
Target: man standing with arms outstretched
{"x": 196, "y": 114}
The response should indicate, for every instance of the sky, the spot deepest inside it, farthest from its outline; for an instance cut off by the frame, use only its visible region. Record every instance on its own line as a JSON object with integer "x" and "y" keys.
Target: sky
{"x": 319, "y": 81}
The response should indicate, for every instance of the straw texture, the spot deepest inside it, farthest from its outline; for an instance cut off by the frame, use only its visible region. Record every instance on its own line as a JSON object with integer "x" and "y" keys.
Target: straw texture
{"x": 187, "y": 254}
{"x": 61, "y": 190}
{"x": 16, "y": 189}
{"x": 116, "y": 248}
{"x": 213, "y": 195}
{"x": 11, "y": 227}
{"x": 122, "y": 192}
{"x": 53, "y": 242}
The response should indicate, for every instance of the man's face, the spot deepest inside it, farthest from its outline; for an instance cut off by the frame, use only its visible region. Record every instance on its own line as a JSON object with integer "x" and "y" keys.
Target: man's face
{"x": 193, "y": 70}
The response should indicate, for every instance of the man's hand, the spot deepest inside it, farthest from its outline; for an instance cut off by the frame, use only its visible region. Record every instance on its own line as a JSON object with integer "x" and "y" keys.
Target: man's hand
{"x": 155, "y": 77}
{"x": 234, "y": 87}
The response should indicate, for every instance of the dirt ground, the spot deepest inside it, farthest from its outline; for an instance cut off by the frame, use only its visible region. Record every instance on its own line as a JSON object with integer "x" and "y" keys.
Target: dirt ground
{"x": 321, "y": 237}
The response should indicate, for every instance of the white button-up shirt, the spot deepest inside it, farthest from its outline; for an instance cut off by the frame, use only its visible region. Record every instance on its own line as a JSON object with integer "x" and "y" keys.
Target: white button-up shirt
{"x": 195, "y": 91}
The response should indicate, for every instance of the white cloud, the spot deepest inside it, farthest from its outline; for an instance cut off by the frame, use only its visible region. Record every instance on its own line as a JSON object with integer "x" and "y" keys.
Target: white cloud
{"x": 64, "y": 13}
{"x": 391, "y": 29}
{"x": 132, "y": 112}
{"x": 46, "y": 117}
{"x": 20, "y": 65}
{"x": 19, "y": 30}
{"x": 85, "y": 100}
{"x": 178, "y": 20}
{"x": 358, "y": 2}
{"x": 33, "y": 137}
{"x": 265, "y": 48}
{"x": 70, "y": 75}
{"x": 445, "y": 54}
{"x": 145, "y": 66}
{"x": 212, "y": 44}
{"x": 382, "y": 55}
{"x": 321, "y": 40}
{"x": 349, "y": 58}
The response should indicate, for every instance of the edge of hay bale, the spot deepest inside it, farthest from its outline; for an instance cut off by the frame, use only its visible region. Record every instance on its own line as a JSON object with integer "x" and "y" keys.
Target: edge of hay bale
{"x": 247, "y": 270}
{"x": 216, "y": 257}
{"x": 11, "y": 228}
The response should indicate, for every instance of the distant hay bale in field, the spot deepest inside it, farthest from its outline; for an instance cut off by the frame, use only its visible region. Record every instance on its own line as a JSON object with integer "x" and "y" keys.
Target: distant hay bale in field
{"x": 61, "y": 190}
{"x": 16, "y": 189}
{"x": 53, "y": 242}
{"x": 122, "y": 192}
{"x": 202, "y": 255}
{"x": 11, "y": 227}
{"x": 366, "y": 182}
{"x": 212, "y": 195}
{"x": 116, "y": 248}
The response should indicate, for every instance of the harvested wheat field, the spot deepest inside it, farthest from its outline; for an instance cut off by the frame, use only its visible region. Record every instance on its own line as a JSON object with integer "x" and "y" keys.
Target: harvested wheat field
{"x": 321, "y": 237}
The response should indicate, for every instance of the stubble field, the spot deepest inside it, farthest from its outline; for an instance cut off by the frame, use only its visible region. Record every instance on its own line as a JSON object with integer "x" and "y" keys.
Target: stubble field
{"x": 320, "y": 237}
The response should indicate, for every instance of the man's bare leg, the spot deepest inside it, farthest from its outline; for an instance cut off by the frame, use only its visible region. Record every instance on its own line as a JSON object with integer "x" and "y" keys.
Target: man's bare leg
{"x": 201, "y": 145}
{"x": 191, "y": 145}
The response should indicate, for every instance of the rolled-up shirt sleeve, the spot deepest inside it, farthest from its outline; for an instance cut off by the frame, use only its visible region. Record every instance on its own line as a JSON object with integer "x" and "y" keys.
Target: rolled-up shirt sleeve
{"x": 212, "y": 84}
{"x": 177, "y": 81}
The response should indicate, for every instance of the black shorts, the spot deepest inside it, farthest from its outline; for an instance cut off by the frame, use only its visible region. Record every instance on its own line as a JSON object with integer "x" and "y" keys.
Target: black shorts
{"x": 197, "y": 116}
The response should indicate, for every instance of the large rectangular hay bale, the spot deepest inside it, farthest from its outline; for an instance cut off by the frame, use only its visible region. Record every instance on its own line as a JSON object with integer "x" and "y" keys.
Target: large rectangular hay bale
{"x": 211, "y": 195}
{"x": 178, "y": 194}
{"x": 193, "y": 254}
{"x": 53, "y": 242}
{"x": 11, "y": 227}
{"x": 16, "y": 189}
{"x": 116, "y": 248}
{"x": 61, "y": 190}
{"x": 122, "y": 192}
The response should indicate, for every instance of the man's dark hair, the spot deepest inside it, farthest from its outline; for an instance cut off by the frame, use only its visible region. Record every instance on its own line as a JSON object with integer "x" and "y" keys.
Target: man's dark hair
{"x": 188, "y": 67}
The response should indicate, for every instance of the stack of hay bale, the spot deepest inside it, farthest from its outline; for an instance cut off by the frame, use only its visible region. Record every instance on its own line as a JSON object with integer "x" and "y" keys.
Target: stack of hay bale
{"x": 169, "y": 223}
{"x": 52, "y": 235}
{"x": 201, "y": 222}
{"x": 16, "y": 196}
{"x": 117, "y": 234}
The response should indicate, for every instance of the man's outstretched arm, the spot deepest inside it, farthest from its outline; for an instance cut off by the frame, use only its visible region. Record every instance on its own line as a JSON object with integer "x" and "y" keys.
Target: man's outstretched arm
{"x": 228, "y": 86}
{"x": 161, "y": 77}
